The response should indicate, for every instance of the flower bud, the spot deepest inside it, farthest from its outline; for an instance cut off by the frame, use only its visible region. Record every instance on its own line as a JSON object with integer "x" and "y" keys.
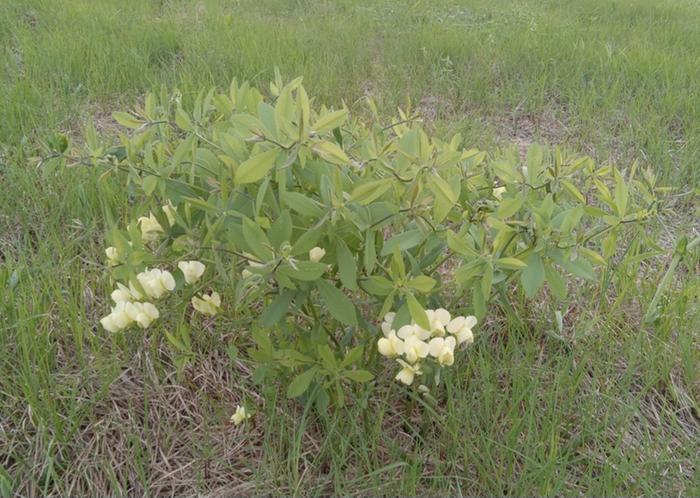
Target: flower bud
{"x": 316, "y": 254}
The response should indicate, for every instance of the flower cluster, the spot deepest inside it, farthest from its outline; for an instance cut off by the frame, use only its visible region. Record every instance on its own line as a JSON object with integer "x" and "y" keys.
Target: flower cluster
{"x": 132, "y": 305}
{"x": 413, "y": 345}
{"x": 128, "y": 306}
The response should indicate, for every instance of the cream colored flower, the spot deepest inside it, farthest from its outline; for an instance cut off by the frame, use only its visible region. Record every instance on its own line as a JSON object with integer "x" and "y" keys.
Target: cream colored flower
{"x": 135, "y": 294}
{"x": 109, "y": 324}
{"x": 150, "y": 228}
{"x": 316, "y": 254}
{"x": 461, "y": 327}
{"x": 387, "y": 323}
{"x": 147, "y": 313}
{"x": 156, "y": 282}
{"x": 208, "y": 304}
{"x": 498, "y": 192}
{"x": 192, "y": 270}
{"x": 121, "y": 293}
{"x": 169, "y": 211}
{"x": 390, "y": 345}
{"x": 240, "y": 415}
{"x": 437, "y": 328}
{"x": 415, "y": 349}
{"x": 413, "y": 330}
{"x": 443, "y": 350}
{"x": 407, "y": 372}
{"x": 112, "y": 256}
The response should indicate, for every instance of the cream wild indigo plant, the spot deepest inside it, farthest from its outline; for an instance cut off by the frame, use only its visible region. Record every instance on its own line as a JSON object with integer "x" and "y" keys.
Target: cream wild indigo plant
{"x": 318, "y": 223}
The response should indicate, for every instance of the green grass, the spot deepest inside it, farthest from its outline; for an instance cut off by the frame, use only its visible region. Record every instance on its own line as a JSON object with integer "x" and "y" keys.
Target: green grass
{"x": 610, "y": 408}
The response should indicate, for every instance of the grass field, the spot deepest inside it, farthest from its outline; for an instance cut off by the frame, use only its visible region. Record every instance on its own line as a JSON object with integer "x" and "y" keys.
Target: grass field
{"x": 611, "y": 407}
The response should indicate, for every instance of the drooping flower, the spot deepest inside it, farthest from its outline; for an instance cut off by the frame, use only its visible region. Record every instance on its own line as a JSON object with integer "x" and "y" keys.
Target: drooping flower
{"x": 121, "y": 293}
{"x": 437, "y": 327}
{"x": 407, "y": 372}
{"x": 150, "y": 228}
{"x": 387, "y": 323}
{"x": 147, "y": 313}
{"x": 192, "y": 270}
{"x": 156, "y": 282}
{"x": 169, "y": 211}
{"x": 413, "y": 330}
{"x": 498, "y": 192}
{"x": 461, "y": 327}
{"x": 240, "y": 415}
{"x": 112, "y": 256}
{"x": 415, "y": 349}
{"x": 443, "y": 350}
{"x": 316, "y": 254}
{"x": 208, "y": 304}
{"x": 109, "y": 324}
{"x": 390, "y": 345}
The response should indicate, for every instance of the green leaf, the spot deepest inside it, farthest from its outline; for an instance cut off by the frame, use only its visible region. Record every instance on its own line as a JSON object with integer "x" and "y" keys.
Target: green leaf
{"x": 377, "y": 285}
{"x": 256, "y": 167}
{"x": 301, "y": 383}
{"x": 555, "y": 281}
{"x": 367, "y": 192}
{"x": 302, "y": 204}
{"x": 509, "y": 206}
{"x": 417, "y": 312}
{"x": 422, "y": 283}
{"x": 182, "y": 119}
{"x": 352, "y": 356}
{"x": 347, "y": 266}
{"x": 358, "y": 375}
{"x": 256, "y": 239}
{"x": 580, "y": 267}
{"x": 403, "y": 241}
{"x": 459, "y": 244}
{"x": 338, "y": 304}
{"x": 307, "y": 241}
{"x": 149, "y": 184}
{"x": 277, "y": 309}
{"x": 305, "y": 270}
{"x": 329, "y": 121}
{"x": 511, "y": 263}
{"x": 533, "y": 276}
{"x": 535, "y": 157}
{"x": 127, "y": 120}
{"x": 331, "y": 153}
{"x": 438, "y": 185}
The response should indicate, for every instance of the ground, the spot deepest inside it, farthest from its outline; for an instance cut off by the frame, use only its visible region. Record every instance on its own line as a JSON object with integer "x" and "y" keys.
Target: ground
{"x": 611, "y": 406}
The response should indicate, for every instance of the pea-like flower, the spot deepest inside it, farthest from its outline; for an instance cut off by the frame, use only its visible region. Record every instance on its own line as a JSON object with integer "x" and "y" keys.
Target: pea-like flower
{"x": 169, "y": 211}
{"x": 498, "y": 192}
{"x": 208, "y": 304}
{"x": 443, "y": 350}
{"x": 438, "y": 319}
{"x": 122, "y": 293}
{"x": 415, "y": 349}
{"x": 123, "y": 314}
{"x": 147, "y": 313}
{"x": 316, "y": 254}
{"x": 112, "y": 256}
{"x": 240, "y": 416}
{"x": 413, "y": 330}
{"x": 150, "y": 228}
{"x": 461, "y": 327}
{"x": 387, "y": 323}
{"x": 390, "y": 345}
{"x": 192, "y": 270}
{"x": 156, "y": 282}
{"x": 408, "y": 372}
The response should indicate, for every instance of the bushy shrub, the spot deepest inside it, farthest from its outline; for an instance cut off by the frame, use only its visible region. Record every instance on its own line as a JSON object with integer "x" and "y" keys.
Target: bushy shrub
{"x": 317, "y": 231}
